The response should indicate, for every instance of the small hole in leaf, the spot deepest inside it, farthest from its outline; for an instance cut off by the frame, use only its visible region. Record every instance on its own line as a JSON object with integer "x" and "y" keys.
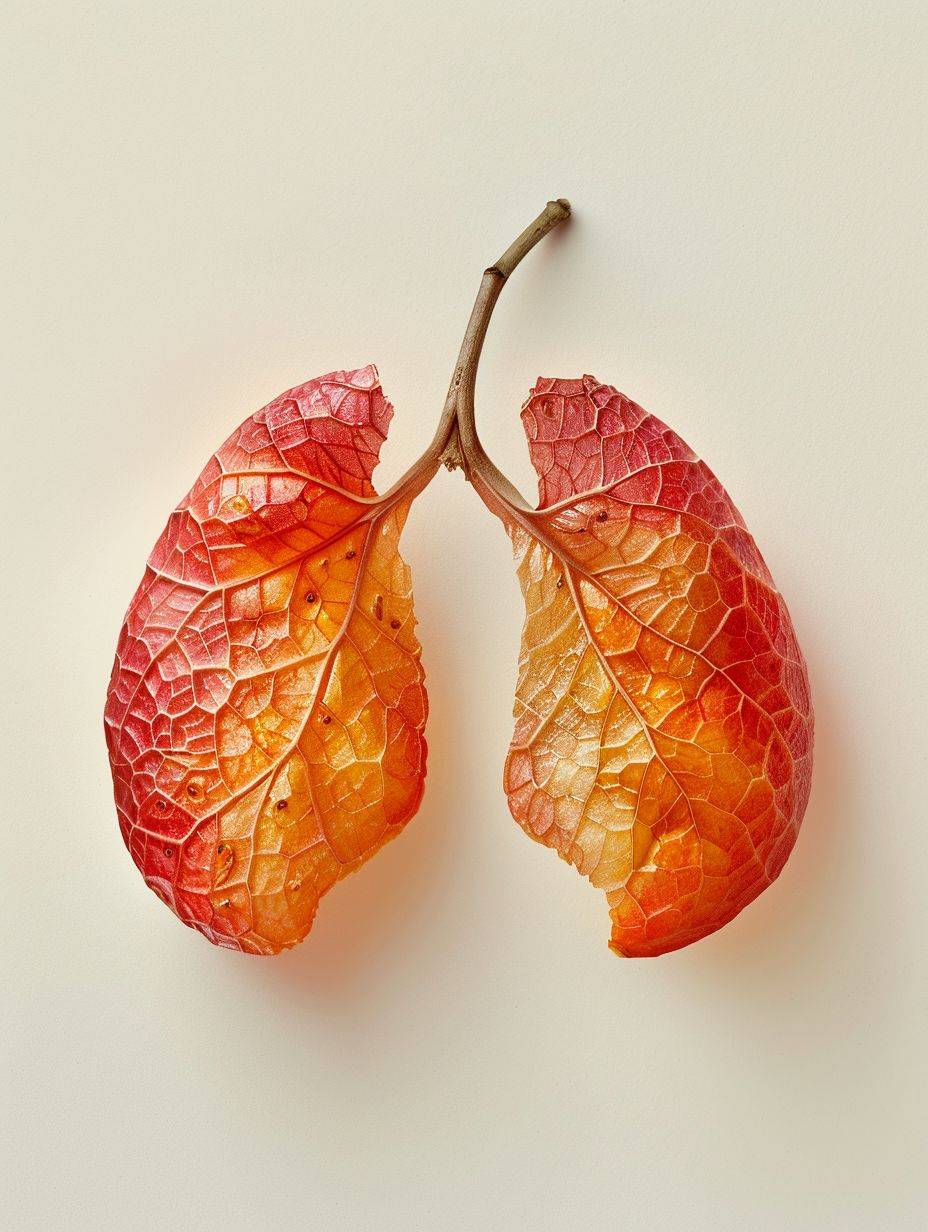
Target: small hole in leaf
{"x": 169, "y": 851}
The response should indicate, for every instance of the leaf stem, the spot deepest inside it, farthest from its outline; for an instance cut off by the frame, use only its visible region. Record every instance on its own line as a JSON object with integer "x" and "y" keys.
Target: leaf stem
{"x": 455, "y": 442}
{"x": 463, "y": 383}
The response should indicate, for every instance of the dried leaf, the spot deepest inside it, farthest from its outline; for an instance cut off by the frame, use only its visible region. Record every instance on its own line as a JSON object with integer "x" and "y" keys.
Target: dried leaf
{"x": 266, "y": 709}
{"x": 663, "y": 734}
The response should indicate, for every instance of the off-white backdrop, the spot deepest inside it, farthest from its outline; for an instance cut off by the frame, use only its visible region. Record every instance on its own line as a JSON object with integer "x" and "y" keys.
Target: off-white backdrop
{"x": 208, "y": 204}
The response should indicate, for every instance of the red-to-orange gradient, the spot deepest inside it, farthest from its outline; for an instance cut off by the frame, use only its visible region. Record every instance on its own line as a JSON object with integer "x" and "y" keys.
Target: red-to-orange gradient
{"x": 663, "y": 737}
{"x": 266, "y": 709}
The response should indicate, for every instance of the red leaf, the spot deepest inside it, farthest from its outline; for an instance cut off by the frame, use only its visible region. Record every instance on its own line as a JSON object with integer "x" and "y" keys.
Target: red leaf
{"x": 266, "y": 709}
{"x": 663, "y": 735}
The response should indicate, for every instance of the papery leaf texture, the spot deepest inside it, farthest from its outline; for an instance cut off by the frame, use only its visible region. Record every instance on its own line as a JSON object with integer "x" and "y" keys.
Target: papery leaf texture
{"x": 663, "y": 719}
{"x": 266, "y": 709}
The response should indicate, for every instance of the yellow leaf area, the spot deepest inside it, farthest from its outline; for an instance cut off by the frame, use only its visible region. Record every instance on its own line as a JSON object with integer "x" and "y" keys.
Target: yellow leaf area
{"x": 318, "y": 747}
{"x": 649, "y": 746}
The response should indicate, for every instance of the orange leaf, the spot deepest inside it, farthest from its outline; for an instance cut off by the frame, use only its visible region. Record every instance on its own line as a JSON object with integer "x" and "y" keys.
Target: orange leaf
{"x": 266, "y": 709}
{"x": 663, "y": 735}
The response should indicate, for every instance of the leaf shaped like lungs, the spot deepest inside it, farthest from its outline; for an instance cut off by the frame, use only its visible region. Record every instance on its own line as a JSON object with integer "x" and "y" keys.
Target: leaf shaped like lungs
{"x": 266, "y": 709}
{"x": 663, "y": 735}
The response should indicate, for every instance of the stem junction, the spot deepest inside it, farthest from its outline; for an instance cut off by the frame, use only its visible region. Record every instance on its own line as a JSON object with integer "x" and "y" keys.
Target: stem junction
{"x": 455, "y": 443}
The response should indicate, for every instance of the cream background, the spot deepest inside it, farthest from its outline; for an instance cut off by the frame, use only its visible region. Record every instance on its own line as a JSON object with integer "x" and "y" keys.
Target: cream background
{"x": 210, "y": 203}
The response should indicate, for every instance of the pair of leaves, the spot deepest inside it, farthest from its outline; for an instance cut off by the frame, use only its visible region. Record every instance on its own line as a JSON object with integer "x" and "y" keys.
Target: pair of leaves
{"x": 265, "y": 717}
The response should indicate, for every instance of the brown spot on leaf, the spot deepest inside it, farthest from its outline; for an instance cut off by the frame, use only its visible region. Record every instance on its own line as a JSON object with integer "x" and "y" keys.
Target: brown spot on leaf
{"x": 225, "y": 859}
